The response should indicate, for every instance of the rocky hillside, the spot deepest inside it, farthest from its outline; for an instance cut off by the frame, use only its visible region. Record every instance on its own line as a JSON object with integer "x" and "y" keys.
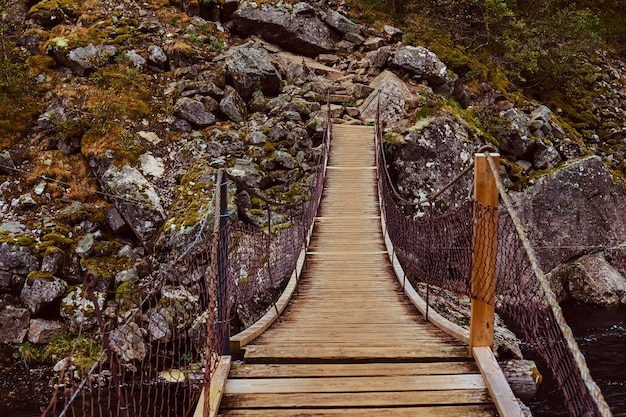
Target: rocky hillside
{"x": 114, "y": 117}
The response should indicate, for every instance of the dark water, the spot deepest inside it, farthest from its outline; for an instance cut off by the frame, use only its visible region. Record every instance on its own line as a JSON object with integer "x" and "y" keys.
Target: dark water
{"x": 601, "y": 336}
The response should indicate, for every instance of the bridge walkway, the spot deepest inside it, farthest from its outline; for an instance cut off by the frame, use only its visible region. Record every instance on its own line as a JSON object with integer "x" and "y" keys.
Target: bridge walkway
{"x": 350, "y": 343}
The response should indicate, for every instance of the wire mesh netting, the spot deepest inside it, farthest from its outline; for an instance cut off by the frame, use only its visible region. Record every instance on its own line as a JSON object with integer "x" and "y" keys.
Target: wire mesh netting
{"x": 158, "y": 349}
{"x": 449, "y": 251}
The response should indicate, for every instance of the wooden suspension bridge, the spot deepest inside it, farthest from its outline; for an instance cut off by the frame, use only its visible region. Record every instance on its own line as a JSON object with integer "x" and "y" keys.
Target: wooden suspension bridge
{"x": 351, "y": 341}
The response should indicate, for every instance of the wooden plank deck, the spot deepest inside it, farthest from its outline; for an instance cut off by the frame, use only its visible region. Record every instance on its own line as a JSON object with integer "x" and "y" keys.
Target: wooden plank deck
{"x": 350, "y": 343}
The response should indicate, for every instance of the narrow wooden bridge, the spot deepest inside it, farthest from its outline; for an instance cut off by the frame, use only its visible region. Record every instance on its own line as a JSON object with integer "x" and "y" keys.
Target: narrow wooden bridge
{"x": 350, "y": 343}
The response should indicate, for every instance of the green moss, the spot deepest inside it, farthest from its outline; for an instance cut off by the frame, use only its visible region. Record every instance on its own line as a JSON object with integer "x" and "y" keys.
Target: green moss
{"x": 66, "y": 6}
{"x": 57, "y": 239}
{"x": 106, "y": 248}
{"x": 84, "y": 350}
{"x": 106, "y": 267}
{"x": 39, "y": 275}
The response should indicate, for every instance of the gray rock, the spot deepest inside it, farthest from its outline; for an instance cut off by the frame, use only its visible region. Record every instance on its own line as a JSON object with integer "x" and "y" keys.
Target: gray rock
{"x": 13, "y": 227}
{"x": 44, "y": 331}
{"x": 297, "y": 32}
{"x": 38, "y": 292}
{"x": 576, "y": 207}
{"x": 6, "y": 163}
{"x": 52, "y": 260}
{"x": 427, "y": 158}
{"x": 379, "y": 57}
{"x": 176, "y": 312}
{"x": 393, "y": 95}
{"x": 541, "y": 113}
{"x": 304, "y": 9}
{"x": 13, "y": 324}
{"x": 546, "y": 157}
{"x": 394, "y": 33}
{"x": 251, "y": 69}
{"x": 210, "y": 103}
{"x": 23, "y": 202}
{"x": 194, "y": 111}
{"x": 516, "y": 141}
{"x": 85, "y": 245}
{"x": 278, "y": 132}
{"x": 5, "y": 280}
{"x": 78, "y": 309}
{"x": 257, "y": 138}
{"x": 354, "y": 39}
{"x": 373, "y": 43}
{"x": 128, "y": 343}
{"x": 128, "y": 275}
{"x": 115, "y": 221}
{"x": 139, "y": 204}
{"x": 285, "y": 160}
{"x": 17, "y": 259}
{"x": 592, "y": 280}
{"x": 341, "y": 23}
{"x": 157, "y": 57}
{"x": 423, "y": 64}
{"x": 248, "y": 172}
{"x": 135, "y": 59}
{"x": 233, "y": 106}
{"x": 86, "y": 59}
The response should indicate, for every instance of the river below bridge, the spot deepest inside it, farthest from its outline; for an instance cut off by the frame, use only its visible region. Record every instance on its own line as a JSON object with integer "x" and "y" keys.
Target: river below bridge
{"x": 600, "y": 332}
{"x": 601, "y": 335}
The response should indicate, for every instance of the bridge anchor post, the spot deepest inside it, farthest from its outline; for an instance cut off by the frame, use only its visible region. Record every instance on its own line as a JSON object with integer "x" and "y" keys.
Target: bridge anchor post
{"x": 484, "y": 250}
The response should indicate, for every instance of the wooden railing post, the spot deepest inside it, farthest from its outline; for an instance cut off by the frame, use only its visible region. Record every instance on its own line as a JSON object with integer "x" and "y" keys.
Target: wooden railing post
{"x": 484, "y": 249}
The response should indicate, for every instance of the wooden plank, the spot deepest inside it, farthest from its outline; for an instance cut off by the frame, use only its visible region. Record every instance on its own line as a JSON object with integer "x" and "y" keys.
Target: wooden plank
{"x": 218, "y": 382}
{"x": 358, "y": 369}
{"x": 356, "y": 399}
{"x": 443, "y": 411}
{"x": 499, "y": 388}
{"x": 306, "y": 353}
{"x": 355, "y": 384}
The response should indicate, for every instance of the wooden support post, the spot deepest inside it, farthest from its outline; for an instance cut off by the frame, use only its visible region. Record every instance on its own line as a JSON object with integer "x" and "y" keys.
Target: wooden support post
{"x": 484, "y": 248}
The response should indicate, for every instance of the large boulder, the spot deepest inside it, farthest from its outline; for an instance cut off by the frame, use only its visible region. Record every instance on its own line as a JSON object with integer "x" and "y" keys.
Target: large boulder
{"x": 170, "y": 319}
{"x": 423, "y": 64}
{"x": 138, "y": 202}
{"x": 78, "y": 308}
{"x": 194, "y": 111}
{"x": 304, "y": 33}
{"x": 391, "y": 94}
{"x": 251, "y": 69}
{"x": 127, "y": 342}
{"x": 427, "y": 158}
{"x": 44, "y": 331}
{"x": 17, "y": 259}
{"x": 573, "y": 210}
{"x": 233, "y": 106}
{"x": 13, "y": 324}
{"x": 591, "y": 279}
{"x": 40, "y": 290}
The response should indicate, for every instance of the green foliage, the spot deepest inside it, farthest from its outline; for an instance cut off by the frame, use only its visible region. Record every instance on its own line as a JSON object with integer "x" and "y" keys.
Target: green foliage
{"x": 85, "y": 351}
{"x": 29, "y": 353}
{"x": 537, "y": 42}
